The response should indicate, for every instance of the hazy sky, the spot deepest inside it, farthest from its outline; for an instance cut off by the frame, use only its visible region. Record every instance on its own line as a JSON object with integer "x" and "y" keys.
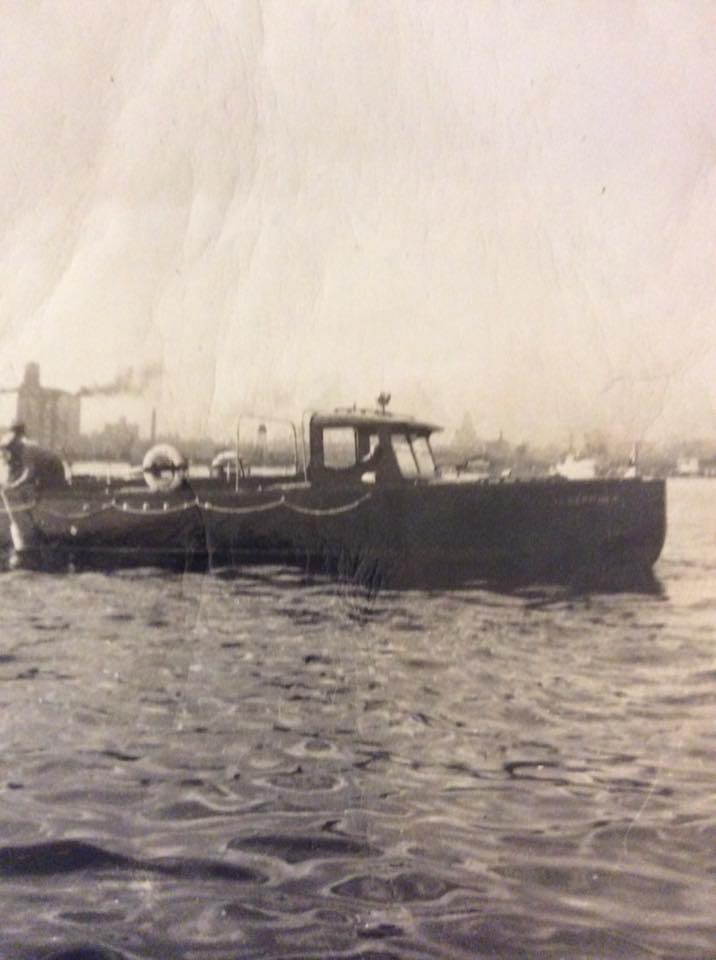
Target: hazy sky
{"x": 501, "y": 207}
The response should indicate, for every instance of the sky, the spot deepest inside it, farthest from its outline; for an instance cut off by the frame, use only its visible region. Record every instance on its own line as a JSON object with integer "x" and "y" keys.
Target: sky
{"x": 506, "y": 208}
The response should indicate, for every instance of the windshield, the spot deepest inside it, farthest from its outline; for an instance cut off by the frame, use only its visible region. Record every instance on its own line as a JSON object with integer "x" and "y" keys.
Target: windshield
{"x": 424, "y": 456}
{"x": 414, "y": 456}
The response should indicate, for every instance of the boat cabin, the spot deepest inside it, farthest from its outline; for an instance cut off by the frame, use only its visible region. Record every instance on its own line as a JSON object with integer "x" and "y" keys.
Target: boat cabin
{"x": 362, "y": 446}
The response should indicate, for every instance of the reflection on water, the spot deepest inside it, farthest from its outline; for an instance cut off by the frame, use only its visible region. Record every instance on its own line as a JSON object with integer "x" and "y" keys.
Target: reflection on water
{"x": 264, "y": 766}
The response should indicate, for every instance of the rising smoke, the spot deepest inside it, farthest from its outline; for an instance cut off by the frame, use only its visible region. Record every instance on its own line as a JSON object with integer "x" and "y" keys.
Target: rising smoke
{"x": 134, "y": 381}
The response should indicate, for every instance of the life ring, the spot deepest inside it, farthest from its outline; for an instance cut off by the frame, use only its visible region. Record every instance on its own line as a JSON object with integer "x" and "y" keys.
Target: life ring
{"x": 164, "y": 468}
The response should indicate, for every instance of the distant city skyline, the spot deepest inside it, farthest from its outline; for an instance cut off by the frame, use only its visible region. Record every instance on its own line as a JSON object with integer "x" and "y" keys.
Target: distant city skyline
{"x": 124, "y": 403}
{"x": 507, "y": 209}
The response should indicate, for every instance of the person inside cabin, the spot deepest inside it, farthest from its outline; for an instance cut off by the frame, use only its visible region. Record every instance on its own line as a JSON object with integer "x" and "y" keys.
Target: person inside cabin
{"x": 370, "y": 452}
{"x": 29, "y": 464}
{"x": 376, "y": 459}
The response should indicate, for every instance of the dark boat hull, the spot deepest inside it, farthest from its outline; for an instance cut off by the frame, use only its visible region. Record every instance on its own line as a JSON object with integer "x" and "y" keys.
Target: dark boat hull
{"x": 437, "y": 534}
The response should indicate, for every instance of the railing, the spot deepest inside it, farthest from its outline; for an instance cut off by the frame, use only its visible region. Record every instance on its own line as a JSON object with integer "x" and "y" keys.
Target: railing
{"x": 260, "y": 419}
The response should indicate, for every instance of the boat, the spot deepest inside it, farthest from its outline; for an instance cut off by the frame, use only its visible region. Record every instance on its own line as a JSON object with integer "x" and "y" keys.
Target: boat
{"x": 365, "y": 499}
{"x": 575, "y": 468}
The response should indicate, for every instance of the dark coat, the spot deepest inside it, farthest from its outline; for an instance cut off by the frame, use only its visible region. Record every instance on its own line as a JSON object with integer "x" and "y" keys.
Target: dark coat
{"x": 43, "y": 468}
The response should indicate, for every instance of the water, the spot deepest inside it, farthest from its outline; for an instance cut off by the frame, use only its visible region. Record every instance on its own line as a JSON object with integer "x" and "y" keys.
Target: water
{"x": 208, "y": 767}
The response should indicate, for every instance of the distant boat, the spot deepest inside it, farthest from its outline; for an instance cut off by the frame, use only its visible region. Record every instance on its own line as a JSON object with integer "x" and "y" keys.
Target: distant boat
{"x": 575, "y": 468}
{"x": 366, "y": 500}
{"x": 474, "y": 468}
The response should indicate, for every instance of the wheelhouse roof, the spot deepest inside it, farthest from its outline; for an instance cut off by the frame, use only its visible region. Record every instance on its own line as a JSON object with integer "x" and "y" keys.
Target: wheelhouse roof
{"x": 373, "y": 419}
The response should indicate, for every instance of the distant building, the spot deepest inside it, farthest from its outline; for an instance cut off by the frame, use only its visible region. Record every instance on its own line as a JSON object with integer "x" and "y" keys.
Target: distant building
{"x": 119, "y": 439}
{"x": 465, "y": 436}
{"x": 51, "y": 417}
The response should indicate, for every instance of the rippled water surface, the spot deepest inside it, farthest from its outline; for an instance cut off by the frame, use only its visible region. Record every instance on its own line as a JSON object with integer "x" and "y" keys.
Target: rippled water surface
{"x": 223, "y": 767}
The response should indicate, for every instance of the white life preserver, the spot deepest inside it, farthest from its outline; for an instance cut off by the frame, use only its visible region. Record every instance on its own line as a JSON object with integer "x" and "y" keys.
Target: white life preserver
{"x": 164, "y": 468}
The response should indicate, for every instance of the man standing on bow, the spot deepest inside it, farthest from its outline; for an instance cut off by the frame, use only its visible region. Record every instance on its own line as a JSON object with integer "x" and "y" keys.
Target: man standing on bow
{"x": 30, "y": 464}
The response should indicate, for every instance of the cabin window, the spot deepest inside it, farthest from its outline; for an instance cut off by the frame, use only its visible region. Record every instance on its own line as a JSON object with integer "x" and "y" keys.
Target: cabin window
{"x": 414, "y": 456}
{"x": 424, "y": 456}
{"x": 404, "y": 455}
{"x": 339, "y": 447}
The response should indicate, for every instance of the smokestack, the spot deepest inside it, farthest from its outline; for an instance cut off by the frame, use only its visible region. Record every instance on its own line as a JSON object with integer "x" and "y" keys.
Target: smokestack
{"x": 153, "y": 427}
